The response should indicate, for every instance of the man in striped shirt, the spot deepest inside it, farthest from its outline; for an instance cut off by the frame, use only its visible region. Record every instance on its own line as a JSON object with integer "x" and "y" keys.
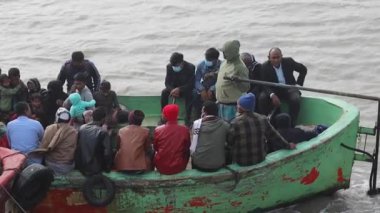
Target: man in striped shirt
{"x": 248, "y": 133}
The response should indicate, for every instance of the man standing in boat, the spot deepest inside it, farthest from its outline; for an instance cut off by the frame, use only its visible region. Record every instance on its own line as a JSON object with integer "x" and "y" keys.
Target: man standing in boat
{"x": 248, "y": 133}
{"x": 76, "y": 65}
{"x": 227, "y": 92}
{"x": 179, "y": 83}
{"x": 280, "y": 70}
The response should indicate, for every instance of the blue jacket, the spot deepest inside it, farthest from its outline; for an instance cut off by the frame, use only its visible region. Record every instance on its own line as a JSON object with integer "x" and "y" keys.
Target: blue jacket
{"x": 200, "y": 82}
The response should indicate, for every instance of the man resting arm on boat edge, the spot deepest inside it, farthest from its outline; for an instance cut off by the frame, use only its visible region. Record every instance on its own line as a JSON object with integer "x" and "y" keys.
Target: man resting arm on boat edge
{"x": 248, "y": 132}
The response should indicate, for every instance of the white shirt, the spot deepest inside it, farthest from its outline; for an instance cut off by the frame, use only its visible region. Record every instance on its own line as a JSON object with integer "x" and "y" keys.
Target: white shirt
{"x": 280, "y": 74}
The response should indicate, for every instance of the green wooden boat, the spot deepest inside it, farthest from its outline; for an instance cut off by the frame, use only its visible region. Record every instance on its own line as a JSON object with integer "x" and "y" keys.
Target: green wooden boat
{"x": 286, "y": 176}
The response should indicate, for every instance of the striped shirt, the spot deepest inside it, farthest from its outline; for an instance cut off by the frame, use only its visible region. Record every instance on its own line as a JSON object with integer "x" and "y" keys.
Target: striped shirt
{"x": 246, "y": 138}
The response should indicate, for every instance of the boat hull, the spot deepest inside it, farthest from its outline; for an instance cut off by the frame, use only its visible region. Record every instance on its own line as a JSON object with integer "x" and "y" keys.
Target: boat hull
{"x": 316, "y": 166}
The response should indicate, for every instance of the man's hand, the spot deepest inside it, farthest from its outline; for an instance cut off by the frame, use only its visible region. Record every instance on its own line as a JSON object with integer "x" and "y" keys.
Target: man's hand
{"x": 275, "y": 100}
{"x": 209, "y": 95}
{"x": 175, "y": 92}
{"x": 292, "y": 146}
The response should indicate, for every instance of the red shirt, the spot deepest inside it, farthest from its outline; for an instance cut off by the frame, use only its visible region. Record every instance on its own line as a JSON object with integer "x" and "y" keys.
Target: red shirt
{"x": 172, "y": 148}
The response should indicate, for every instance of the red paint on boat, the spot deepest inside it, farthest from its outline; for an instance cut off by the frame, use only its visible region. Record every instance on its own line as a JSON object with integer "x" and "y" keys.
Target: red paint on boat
{"x": 340, "y": 178}
{"x": 66, "y": 200}
{"x": 201, "y": 202}
{"x": 166, "y": 209}
{"x": 235, "y": 203}
{"x": 245, "y": 194}
{"x": 311, "y": 177}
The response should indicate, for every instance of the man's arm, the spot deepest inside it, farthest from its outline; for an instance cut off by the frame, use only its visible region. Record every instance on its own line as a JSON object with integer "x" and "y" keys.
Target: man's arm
{"x": 106, "y": 142}
{"x": 95, "y": 76}
{"x": 198, "y": 78}
{"x": 62, "y": 74}
{"x": 115, "y": 101}
{"x": 301, "y": 69}
{"x": 190, "y": 76}
{"x": 242, "y": 73}
{"x": 169, "y": 78}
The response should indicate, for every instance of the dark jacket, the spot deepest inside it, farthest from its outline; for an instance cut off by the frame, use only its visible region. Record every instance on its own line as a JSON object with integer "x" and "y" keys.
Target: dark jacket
{"x": 53, "y": 94}
{"x": 288, "y": 67}
{"x": 183, "y": 79}
{"x": 109, "y": 101}
{"x": 172, "y": 148}
{"x": 254, "y": 73}
{"x": 93, "y": 154}
{"x": 293, "y": 135}
{"x": 68, "y": 72}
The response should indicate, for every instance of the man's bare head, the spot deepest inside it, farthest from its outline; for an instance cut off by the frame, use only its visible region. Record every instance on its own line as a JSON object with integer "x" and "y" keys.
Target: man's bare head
{"x": 275, "y": 56}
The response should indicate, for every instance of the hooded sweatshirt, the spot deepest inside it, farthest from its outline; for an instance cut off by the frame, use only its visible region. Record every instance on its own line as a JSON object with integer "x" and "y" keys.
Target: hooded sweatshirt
{"x": 210, "y": 150}
{"x": 78, "y": 106}
{"x": 229, "y": 91}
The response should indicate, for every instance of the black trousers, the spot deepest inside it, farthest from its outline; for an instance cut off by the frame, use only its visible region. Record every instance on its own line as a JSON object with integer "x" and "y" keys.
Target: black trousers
{"x": 291, "y": 96}
{"x": 188, "y": 96}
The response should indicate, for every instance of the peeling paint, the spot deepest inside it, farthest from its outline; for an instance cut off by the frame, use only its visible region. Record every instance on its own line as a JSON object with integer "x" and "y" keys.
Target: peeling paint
{"x": 340, "y": 178}
{"x": 201, "y": 202}
{"x": 311, "y": 177}
{"x": 166, "y": 209}
{"x": 235, "y": 203}
{"x": 245, "y": 194}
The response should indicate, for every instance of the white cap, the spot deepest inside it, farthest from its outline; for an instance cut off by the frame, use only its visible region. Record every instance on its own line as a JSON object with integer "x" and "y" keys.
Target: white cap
{"x": 62, "y": 114}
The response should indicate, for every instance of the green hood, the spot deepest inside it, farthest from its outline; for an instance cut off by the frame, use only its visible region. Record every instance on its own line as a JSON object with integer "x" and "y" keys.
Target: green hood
{"x": 231, "y": 50}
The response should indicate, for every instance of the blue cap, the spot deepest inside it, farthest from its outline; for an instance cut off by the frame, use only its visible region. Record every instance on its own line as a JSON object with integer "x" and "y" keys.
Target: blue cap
{"x": 247, "y": 102}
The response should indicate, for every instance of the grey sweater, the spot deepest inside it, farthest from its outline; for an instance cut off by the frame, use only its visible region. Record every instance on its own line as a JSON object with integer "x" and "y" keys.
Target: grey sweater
{"x": 210, "y": 150}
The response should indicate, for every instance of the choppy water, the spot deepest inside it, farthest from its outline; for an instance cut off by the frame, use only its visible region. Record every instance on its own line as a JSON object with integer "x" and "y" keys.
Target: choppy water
{"x": 131, "y": 41}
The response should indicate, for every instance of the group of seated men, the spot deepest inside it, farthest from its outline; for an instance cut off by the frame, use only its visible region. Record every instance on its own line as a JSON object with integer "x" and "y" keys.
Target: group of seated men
{"x": 230, "y": 128}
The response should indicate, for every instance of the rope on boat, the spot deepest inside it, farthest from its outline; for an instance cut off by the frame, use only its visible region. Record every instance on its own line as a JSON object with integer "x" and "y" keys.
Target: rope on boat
{"x": 235, "y": 174}
{"x": 369, "y": 155}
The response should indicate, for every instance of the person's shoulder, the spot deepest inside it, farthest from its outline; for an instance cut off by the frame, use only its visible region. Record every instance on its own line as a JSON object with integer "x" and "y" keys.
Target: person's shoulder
{"x": 266, "y": 64}
{"x": 66, "y": 63}
{"x": 201, "y": 64}
{"x": 189, "y": 65}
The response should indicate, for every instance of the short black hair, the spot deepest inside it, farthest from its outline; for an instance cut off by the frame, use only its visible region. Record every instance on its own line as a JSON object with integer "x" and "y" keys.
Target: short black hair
{"x": 176, "y": 58}
{"x": 138, "y": 117}
{"x": 80, "y": 77}
{"x": 77, "y": 56}
{"x": 105, "y": 84}
{"x": 14, "y": 71}
{"x": 211, "y": 108}
{"x": 3, "y": 77}
{"x": 212, "y": 54}
{"x": 21, "y": 107}
{"x": 99, "y": 114}
{"x": 122, "y": 116}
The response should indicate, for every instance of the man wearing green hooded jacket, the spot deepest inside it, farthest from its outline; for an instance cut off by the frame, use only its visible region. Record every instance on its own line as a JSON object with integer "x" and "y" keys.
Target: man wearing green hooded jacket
{"x": 228, "y": 92}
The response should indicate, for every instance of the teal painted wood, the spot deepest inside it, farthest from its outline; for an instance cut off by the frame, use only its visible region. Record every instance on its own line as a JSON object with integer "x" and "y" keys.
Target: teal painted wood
{"x": 318, "y": 165}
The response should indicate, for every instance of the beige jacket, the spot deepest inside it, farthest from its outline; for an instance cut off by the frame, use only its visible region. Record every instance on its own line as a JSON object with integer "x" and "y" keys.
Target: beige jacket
{"x": 60, "y": 140}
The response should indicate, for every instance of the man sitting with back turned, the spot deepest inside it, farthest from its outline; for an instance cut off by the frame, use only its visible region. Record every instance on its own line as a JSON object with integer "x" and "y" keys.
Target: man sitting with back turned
{"x": 94, "y": 154}
{"x": 248, "y": 133}
{"x": 171, "y": 143}
{"x": 179, "y": 82}
{"x": 209, "y": 140}
{"x": 227, "y": 92}
{"x": 24, "y": 133}
{"x": 280, "y": 70}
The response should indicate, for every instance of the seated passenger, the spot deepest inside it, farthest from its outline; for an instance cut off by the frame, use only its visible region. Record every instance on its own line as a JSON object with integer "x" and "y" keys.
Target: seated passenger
{"x": 34, "y": 86}
{"x": 282, "y": 122}
{"x": 121, "y": 118}
{"x": 179, "y": 82}
{"x": 93, "y": 154}
{"x": 254, "y": 70}
{"x": 107, "y": 98}
{"x": 171, "y": 143}
{"x": 248, "y": 132}
{"x": 134, "y": 146}
{"x": 80, "y": 87}
{"x": 38, "y": 111}
{"x": 6, "y": 96}
{"x": 24, "y": 133}
{"x": 209, "y": 140}
{"x": 205, "y": 79}
{"x": 53, "y": 99}
{"x": 281, "y": 70}
{"x": 22, "y": 93}
{"x": 60, "y": 141}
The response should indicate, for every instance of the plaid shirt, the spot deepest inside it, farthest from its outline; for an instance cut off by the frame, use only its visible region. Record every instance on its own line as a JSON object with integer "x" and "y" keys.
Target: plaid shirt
{"x": 246, "y": 138}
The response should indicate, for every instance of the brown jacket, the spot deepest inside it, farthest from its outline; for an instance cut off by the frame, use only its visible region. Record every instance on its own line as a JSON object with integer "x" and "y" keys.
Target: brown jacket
{"x": 60, "y": 140}
{"x": 134, "y": 146}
